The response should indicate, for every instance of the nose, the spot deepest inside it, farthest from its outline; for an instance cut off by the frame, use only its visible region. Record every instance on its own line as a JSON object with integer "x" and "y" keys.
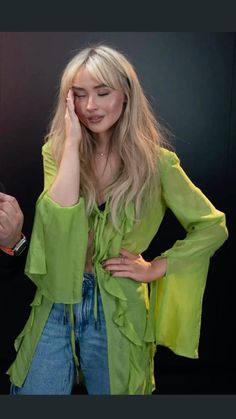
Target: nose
{"x": 91, "y": 103}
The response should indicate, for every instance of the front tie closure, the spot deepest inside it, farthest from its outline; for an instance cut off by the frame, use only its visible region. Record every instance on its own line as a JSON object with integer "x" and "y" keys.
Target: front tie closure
{"x": 105, "y": 238}
{"x": 99, "y": 222}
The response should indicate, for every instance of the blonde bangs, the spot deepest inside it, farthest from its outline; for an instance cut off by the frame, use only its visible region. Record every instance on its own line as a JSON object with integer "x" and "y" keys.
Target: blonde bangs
{"x": 105, "y": 72}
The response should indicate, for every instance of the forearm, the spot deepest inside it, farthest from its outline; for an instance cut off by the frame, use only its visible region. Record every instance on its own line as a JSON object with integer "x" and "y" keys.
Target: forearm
{"x": 66, "y": 187}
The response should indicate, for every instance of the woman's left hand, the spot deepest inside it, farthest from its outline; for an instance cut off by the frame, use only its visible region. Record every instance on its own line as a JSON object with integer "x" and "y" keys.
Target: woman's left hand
{"x": 133, "y": 266}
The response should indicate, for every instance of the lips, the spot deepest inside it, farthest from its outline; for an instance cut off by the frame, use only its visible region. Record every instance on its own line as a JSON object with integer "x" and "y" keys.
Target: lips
{"x": 95, "y": 119}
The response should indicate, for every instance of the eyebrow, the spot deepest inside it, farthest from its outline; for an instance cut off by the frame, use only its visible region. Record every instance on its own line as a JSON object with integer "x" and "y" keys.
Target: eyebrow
{"x": 95, "y": 87}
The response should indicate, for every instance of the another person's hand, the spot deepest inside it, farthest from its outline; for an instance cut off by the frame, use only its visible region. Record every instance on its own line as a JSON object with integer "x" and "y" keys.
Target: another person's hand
{"x": 133, "y": 266}
{"x": 73, "y": 132}
{"x": 11, "y": 220}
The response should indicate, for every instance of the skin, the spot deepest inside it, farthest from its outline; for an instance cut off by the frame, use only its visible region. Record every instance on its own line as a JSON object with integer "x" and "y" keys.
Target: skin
{"x": 11, "y": 220}
{"x": 135, "y": 267}
{"x": 88, "y": 99}
{"x": 92, "y": 99}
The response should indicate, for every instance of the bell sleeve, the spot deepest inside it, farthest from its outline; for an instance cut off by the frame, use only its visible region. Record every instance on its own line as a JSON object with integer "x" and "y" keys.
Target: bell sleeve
{"x": 176, "y": 299}
{"x": 58, "y": 245}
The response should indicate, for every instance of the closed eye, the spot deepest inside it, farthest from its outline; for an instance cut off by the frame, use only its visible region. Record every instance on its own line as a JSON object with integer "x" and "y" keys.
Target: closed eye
{"x": 103, "y": 94}
{"x": 77, "y": 95}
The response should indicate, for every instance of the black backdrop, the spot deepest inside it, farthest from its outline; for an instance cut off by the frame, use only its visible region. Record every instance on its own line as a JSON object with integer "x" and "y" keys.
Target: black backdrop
{"x": 190, "y": 81}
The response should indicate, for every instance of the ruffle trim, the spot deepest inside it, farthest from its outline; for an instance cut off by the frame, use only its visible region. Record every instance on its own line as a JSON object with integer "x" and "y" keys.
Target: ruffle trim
{"x": 141, "y": 369}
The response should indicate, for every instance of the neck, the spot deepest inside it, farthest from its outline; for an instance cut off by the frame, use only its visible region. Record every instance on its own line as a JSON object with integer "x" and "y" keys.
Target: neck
{"x": 103, "y": 142}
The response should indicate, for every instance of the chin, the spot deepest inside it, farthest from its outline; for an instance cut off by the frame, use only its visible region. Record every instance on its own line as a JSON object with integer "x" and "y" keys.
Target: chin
{"x": 99, "y": 130}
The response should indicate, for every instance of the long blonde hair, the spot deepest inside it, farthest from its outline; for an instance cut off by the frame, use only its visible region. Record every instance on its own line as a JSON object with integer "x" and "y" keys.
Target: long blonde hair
{"x": 137, "y": 134}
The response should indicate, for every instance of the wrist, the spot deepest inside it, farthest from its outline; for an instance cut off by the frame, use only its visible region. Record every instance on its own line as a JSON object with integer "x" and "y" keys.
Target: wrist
{"x": 159, "y": 266}
{"x": 71, "y": 143}
{"x": 13, "y": 241}
{"x": 17, "y": 248}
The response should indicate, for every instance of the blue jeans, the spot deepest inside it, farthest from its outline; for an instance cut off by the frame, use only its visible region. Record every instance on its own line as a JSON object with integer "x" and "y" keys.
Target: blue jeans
{"x": 53, "y": 369}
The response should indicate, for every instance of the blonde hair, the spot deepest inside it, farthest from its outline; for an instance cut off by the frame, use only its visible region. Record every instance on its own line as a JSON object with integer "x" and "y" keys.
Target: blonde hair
{"x": 137, "y": 134}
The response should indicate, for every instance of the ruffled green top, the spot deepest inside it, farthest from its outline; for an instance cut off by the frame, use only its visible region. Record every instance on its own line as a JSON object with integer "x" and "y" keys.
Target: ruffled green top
{"x": 136, "y": 321}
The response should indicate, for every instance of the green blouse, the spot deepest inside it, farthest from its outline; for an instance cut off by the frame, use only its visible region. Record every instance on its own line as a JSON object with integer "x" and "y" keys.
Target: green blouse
{"x": 136, "y": 321}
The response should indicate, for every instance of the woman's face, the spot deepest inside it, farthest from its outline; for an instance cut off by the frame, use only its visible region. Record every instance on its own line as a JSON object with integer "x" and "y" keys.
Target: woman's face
{"x": 97, "y": 106}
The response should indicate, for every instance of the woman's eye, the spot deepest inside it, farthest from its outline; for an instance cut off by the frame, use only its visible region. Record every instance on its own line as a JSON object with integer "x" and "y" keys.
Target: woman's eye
{"x": 79, "y": 96}
{"x": 103, "y": 94}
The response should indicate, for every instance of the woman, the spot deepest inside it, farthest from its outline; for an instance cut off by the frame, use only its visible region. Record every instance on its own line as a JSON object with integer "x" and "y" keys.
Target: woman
{"x": 108, "y": 182}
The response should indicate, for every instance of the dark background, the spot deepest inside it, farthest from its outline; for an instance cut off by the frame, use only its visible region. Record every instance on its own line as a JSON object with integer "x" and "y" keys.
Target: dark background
{"x": 190, "y": 80}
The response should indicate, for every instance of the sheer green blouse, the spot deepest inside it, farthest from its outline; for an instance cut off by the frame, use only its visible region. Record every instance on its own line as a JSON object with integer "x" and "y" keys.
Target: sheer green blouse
{"x": 136, "y": 321}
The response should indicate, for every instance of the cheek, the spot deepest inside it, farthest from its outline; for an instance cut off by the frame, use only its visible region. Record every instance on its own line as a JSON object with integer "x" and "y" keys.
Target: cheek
{"x": 115, "y": 107}
{"x": 78, "y": 110}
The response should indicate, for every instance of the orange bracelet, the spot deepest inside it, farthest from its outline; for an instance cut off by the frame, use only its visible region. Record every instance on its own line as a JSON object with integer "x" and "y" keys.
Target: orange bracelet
{"x": 9, "y": 250}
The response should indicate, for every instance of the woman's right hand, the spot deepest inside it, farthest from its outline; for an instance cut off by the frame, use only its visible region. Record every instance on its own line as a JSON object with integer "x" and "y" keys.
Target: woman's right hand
{"x": 66, "y": 187}
{"x": 73, "y": 132}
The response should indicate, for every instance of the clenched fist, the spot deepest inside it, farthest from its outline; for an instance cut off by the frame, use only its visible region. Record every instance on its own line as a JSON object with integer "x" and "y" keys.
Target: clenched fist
{"x": 11, "y": 220}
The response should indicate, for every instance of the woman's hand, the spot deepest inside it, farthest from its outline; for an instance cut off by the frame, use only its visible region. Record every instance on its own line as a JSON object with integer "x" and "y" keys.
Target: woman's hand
{"x": 73, "y": 132}
{"x": 135, "y": 267}
{"x": 65, "y": 189}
